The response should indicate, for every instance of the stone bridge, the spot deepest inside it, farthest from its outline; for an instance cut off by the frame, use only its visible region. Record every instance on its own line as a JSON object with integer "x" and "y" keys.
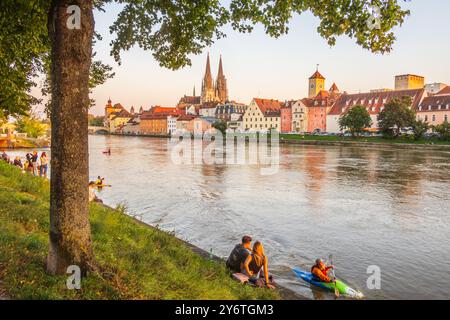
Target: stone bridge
{"x": 98, "y": 130}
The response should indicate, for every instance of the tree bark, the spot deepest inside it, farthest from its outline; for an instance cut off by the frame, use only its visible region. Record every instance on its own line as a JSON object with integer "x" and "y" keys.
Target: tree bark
{"x": 71, "y": 52}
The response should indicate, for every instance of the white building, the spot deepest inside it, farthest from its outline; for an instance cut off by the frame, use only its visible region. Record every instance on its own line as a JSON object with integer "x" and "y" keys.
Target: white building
{"x": 299, "y": 117}
{"x": 171, "y": 124}
{"x": 263, "y": 115}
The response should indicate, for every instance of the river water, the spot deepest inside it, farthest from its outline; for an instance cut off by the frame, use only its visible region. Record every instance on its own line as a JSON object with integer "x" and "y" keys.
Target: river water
{"x": 367, "y": 206}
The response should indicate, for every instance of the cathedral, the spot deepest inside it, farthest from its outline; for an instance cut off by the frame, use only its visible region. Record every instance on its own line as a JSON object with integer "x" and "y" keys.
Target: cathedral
{"x": 214, "y": 91}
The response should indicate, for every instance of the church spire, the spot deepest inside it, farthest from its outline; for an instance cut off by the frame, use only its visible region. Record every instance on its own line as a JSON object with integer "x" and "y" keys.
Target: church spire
{"x": 208, "y": 90}
{"x": 220, "y": 73}
{"x": 208, "y": 69}
{"x": 221, "y": 84}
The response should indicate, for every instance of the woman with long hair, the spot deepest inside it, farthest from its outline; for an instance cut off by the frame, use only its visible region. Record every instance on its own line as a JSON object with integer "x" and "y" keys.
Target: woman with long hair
{"x": 43, "y": 165}
{"x": 253, "y": 265}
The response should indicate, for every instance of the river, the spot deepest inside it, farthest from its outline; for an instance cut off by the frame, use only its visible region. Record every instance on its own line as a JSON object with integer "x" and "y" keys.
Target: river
{"x": 381, "y": 207}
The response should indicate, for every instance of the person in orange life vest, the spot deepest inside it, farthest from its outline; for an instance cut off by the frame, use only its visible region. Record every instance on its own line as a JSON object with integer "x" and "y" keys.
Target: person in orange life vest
{"x": 320, "y": 270}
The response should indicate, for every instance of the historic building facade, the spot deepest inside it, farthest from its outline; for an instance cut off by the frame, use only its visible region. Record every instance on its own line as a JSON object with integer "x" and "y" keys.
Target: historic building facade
{"x": 374, "y": 102}
{"x": 299, "y": 116}
{"x": 262, "y": 115}
{"x": 319, "y": 105}
{"x": 435, "y": 109}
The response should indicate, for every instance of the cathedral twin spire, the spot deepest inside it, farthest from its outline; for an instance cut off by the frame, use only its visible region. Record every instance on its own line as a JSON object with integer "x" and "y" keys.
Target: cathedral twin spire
{"x": 214, "y": 92}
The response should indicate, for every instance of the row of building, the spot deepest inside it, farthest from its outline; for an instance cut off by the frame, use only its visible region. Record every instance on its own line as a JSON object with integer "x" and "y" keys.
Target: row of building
{"x": 320, "y": 111}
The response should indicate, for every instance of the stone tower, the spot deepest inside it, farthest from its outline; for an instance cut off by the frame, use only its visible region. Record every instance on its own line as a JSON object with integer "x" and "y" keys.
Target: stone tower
{"x": 221, "y": 84}
{"x": 316, "y": 84}
{"x": 208, "y": 90}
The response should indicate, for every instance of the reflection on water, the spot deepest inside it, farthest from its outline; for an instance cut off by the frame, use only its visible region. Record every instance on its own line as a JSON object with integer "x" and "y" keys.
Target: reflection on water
{"x": 366, "y": 206}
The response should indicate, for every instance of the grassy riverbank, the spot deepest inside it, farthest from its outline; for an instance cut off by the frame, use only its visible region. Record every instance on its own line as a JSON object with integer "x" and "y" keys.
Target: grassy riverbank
{"x": 299, "y": 137}
{"x": 137, "y": 262}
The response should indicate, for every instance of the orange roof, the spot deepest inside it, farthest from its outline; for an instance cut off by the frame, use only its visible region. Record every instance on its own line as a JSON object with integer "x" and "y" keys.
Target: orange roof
{"x": 186, "y": 117}
{"x": 322, "y": 94}
{"x": 164, "y": 110}
{"x": 150, "y": 116}
{"x": 317, "y": 75}
{"x": 444, "y": 91}
{"x": 268, "y": 105}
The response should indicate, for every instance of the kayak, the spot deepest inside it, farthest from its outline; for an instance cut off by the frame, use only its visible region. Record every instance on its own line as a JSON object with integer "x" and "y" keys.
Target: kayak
{"x": 341, "y": 286}
{"x": 100, "y": 186}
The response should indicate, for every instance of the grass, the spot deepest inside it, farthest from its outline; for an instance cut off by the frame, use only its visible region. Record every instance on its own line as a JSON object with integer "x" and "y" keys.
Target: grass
{"x": 137, "y": 262}
{"x": 362, "y": 139}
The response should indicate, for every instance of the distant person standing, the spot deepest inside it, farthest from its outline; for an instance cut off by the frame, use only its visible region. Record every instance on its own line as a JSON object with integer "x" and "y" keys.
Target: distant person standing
{"x": 28, "y": 163}
{"x": 34, "y": 163}
{"x": 43, "y": 160}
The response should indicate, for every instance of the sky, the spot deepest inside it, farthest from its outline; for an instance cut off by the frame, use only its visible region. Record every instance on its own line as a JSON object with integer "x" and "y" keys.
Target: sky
{"x": 256, "y": 65}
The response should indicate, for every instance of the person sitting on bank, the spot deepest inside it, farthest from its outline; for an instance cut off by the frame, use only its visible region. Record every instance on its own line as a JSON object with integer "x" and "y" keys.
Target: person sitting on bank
{"x": 239, "y": 254}
{"x": 18, "y": 162}
{"x": 320, "y": 271}
{"x": 256, "y": 261}
{"x": 92, "y": 196}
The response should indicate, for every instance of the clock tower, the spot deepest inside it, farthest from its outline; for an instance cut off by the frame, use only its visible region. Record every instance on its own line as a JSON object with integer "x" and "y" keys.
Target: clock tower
{"x": 316, "y": 84}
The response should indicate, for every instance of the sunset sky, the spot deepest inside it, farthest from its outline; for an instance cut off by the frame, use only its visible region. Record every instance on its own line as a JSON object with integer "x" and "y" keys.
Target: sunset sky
{"x": 259, "y": 66}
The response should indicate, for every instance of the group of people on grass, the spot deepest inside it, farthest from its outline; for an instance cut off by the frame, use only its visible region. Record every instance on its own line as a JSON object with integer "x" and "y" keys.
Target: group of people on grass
{"x": 253, "y": 263}
{"x": 33, "y": 162}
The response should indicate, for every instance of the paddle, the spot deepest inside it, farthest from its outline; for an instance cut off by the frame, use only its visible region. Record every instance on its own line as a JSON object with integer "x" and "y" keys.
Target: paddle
{"x": 103, "y": 185}
{"x": 336, "y": 291}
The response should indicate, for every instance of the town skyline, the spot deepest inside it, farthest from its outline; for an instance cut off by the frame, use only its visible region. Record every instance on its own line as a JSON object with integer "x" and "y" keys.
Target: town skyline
{"x": 279, "y": 68}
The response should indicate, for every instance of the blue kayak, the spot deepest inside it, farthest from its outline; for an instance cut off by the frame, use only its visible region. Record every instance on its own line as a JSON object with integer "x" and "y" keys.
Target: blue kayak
{"x": 342, "y": 287}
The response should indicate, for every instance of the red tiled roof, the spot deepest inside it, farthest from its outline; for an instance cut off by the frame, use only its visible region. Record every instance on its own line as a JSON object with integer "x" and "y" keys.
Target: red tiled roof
{"x": 374, "y": 100}
{"x": 268, "y": 106}
{"x": 186, "y": 117}
{"x": 323, "y": 94}
{"x": 323, "y": 99}
{"x": 150, "y": 116}
{"x": 317, "y": 75}
{"x": 435, "y": 103}
{"x": 164, "y": 110}
{"x": 445, "y": 91}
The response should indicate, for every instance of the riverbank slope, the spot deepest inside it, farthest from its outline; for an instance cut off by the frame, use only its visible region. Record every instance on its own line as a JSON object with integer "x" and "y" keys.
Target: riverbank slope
{"x": 400, "y": 143}
{"x": 137, "y": 262}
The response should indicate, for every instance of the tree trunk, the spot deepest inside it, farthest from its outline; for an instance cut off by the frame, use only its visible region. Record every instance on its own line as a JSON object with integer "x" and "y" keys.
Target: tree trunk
{"x": 71, "y": 52}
